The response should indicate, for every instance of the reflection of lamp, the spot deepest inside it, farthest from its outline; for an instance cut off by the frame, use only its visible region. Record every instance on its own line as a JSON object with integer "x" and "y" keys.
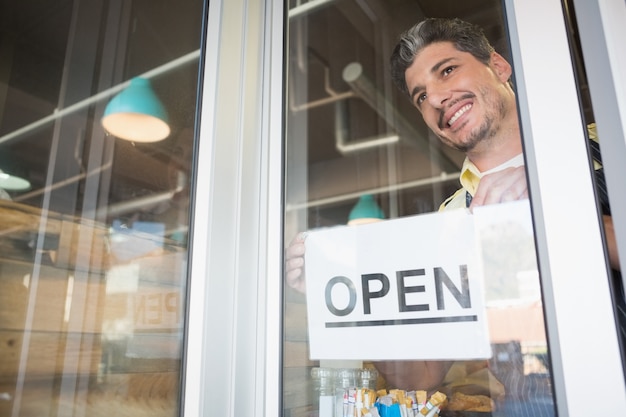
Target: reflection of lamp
{"x": 366, "y": 210}
{"x": 12, "y": 172}
{"x": 13, "y": 183}
{"x": 136, "y": 114}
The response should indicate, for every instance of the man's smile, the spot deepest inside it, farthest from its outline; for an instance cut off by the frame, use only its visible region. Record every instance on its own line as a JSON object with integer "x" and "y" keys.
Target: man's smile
{"x": 459, "y": 113}
{"x": 453, "y": 112}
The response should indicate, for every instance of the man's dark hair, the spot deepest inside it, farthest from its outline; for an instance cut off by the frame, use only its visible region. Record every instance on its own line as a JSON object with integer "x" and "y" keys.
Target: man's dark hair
{"x": 465, "y": 36}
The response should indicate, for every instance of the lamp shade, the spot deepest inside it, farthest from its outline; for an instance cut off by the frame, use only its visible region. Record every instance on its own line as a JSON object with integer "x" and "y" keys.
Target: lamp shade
{"x": 13, "y": 173}
{"x": 366, "y": 210}
{"x": 12, "y": 182}
{"x": 136, "y": 114}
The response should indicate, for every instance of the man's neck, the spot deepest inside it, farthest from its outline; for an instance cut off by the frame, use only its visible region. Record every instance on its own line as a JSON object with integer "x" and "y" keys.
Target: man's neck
{"x": 494, "y": 153}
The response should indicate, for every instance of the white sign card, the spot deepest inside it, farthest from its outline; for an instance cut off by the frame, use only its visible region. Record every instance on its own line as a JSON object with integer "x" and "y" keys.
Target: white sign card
{"x": 409, "y": 288}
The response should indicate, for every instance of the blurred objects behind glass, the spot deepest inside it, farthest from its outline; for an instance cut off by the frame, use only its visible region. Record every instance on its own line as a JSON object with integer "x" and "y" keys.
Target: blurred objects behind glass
{"x": 93, "y": 268}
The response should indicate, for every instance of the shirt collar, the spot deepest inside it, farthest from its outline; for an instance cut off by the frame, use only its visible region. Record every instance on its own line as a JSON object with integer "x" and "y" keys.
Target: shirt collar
{"x": 471, "y": 175}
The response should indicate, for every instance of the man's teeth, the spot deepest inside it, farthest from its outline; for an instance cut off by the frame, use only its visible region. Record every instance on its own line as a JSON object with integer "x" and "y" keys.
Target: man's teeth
{"x": 459, "y": 113}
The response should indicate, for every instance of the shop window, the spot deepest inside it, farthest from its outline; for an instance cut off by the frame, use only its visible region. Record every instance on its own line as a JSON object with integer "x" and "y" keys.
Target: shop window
{"x": 95, "y": 220}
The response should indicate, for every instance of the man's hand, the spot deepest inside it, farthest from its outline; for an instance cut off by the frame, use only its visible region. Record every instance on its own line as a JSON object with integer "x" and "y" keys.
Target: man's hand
{"x": 500, "y": 187}
{"x": 423, "y": 375}
{"x": 294, "y": 263}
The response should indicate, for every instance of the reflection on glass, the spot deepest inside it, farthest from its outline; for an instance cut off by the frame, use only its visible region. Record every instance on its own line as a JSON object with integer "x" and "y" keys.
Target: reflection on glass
{"x": 352, "y": 133}
{"x": 93, "y": 268}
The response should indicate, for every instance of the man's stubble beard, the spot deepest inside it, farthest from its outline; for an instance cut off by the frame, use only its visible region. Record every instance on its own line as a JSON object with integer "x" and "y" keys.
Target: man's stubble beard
{"x": 487, "y": 130}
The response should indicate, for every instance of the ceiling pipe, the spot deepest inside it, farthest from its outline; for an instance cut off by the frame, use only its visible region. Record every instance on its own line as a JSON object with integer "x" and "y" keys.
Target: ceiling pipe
{"x": 342, "y": 132}
{"x": 332, "y": 97}
{"x": 443, "y": 177}
{"x": 143, "y": 203}
{"x": 62, "y": 183}
{"x": 365, "y": 89}
{"x": 308, "y": 7}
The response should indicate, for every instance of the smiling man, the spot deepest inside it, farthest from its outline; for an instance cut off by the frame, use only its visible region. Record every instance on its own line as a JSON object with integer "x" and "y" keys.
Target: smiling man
{"x": 460, "y": 85}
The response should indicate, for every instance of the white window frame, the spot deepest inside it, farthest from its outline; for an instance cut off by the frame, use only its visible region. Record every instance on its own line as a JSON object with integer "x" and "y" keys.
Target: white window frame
{"x": 580, "y": 321}
{"x": 232, "y": 354}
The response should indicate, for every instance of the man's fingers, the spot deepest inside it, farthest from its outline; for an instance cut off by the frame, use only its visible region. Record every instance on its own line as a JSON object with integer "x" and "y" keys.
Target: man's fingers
{"x": 294, "y": 263}
{"x": 502, "y": 186}
{"x": 295, "y": 279}
{"x": 293, "y": 275}
{"x": 295, "y": 250}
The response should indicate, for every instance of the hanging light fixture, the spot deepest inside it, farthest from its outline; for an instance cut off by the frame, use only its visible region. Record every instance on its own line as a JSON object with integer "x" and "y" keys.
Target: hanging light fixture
{"x": 12, "y": 172}
{"x": 13, "y": 182}
{"x": 136, "y": 114}
{"x": 366, "y": 210}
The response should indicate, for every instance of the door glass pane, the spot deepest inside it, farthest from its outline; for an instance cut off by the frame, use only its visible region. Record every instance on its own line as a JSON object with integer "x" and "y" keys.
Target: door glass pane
{"x": 436, "y": 289}
{"x": 94, "y": 223}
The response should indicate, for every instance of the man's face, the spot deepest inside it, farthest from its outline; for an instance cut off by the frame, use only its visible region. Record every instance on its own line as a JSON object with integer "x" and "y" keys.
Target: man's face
{"x": 462, "y": 100}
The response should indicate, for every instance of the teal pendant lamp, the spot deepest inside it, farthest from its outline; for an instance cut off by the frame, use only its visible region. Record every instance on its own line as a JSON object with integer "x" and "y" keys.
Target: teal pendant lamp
{"x": 13, "y": 182}
{"x": 136, "y": 114}
{"x": 12, "y": 172}
{"x": 366, "y": 210}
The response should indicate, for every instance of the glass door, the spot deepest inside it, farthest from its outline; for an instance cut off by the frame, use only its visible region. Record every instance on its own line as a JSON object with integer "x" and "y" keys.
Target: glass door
{"x": 428, "y": 262}
{"x": 98, "y": 108}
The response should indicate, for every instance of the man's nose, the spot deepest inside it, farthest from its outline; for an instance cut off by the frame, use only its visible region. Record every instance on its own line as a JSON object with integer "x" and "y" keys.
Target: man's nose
{"x": 437, "y": 96}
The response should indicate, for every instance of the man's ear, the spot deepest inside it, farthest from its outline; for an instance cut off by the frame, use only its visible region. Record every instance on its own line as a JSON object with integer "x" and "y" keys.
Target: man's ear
{"x": 500, "y": 66}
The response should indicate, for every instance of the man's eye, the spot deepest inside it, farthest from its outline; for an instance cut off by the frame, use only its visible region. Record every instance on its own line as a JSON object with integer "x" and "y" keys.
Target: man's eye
{"x": 420, "y": 98}
{"x": 448, "y": 70}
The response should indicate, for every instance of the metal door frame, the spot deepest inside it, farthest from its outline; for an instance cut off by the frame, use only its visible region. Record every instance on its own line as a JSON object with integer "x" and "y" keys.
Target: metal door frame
{"x": 233, "y": 363}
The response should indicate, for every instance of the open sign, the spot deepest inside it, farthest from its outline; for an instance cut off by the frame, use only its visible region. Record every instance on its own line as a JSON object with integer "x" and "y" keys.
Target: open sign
{"x": 440, "y": 278}
{"x": 409, "y": 288}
